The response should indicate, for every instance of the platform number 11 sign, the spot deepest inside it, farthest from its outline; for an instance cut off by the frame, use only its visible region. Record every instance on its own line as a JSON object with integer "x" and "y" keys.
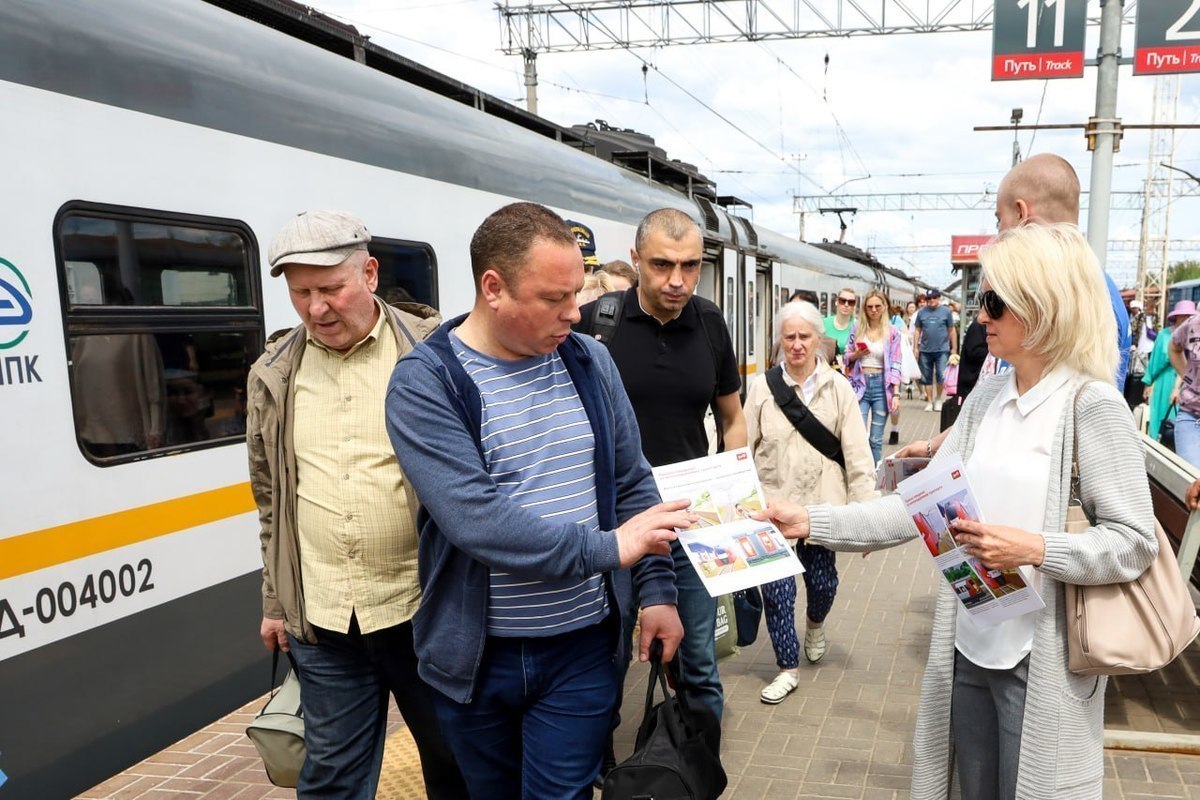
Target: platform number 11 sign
{"x": 1038, "y": 39}
{"x": 1167, "y": 39}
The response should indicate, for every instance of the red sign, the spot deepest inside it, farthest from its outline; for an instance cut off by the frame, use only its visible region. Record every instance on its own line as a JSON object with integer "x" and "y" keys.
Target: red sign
{"x": 965, "y": 249}
{"x": 1037, "y": 65}
{"x": 1167, "y": 38}
{"x": 1165, "y": 60}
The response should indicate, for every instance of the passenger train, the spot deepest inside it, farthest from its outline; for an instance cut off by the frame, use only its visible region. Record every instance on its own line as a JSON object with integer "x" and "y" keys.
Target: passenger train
{"x": 152, "y": 148}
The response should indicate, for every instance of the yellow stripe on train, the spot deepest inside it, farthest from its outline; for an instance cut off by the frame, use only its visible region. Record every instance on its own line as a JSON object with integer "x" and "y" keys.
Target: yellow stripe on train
{"x": 51, "y": 546}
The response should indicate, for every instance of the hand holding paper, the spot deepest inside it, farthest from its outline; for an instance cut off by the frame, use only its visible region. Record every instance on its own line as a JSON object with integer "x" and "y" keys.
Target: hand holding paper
{"x": 652, "y": 531}
{"x": 791, "y": 518}
{"x": 999, "y": 546}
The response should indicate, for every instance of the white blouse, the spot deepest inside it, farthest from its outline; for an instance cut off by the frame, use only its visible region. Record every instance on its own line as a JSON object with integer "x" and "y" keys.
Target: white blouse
{"x": 1009, "y": 470}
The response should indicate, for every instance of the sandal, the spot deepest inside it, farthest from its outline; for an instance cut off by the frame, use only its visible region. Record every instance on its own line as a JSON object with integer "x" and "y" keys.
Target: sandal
{"x": 814, "y": 644}
{"x": 784, "y": 684}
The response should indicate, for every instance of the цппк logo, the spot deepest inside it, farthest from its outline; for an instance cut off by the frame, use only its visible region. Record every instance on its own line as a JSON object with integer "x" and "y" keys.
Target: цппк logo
{"x": 15, "y": 310}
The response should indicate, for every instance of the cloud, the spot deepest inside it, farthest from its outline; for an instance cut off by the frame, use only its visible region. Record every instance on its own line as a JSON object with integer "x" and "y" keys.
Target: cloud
{"x": 906, "y": 104}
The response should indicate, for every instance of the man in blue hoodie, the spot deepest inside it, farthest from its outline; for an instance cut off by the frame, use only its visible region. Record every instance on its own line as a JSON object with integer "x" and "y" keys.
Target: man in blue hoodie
{"x": 536, "y": 503}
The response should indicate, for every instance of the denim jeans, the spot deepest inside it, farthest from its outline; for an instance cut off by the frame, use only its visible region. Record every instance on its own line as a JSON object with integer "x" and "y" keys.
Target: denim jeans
{"x": 874, "y": 404}
{"x": 933, "y": 367}
{"x": 696, "y": 660}
{"x": 987, "y": 710}
{"x": 1187, "y": 437}
{"x": 344, "y": 683}
{"x": 540, "y": 714}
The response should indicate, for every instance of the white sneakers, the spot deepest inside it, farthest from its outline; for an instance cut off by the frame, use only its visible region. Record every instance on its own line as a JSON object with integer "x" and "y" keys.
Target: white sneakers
{"x": 784, "y": 684}
{"x": 937, "y": 406}
{"x": 929, "y": 406}
{"x": 814, "y": 644}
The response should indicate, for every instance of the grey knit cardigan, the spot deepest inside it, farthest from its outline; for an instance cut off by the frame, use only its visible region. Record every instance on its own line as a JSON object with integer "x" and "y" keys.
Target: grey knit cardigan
{"x": 1062, "y": 736}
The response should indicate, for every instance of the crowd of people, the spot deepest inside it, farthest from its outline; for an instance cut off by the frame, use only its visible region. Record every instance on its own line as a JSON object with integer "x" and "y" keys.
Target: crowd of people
{"x": 461, "y": 513}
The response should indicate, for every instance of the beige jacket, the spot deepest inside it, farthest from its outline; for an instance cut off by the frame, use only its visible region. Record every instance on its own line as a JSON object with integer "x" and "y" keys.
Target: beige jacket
{"x": 269, "y": 404}
{"x": 788, "y": 465}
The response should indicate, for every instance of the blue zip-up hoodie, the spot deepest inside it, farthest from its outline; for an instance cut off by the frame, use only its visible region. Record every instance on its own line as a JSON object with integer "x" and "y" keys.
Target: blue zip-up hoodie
{"x": 467, "y": 525}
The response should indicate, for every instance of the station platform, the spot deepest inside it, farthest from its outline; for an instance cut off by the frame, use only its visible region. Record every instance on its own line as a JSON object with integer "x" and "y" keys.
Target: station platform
{"x": 846, "y": 732}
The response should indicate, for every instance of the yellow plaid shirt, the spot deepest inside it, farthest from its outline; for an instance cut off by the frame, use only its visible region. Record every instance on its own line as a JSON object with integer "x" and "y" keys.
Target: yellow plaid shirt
{"x": 358, "y": 539}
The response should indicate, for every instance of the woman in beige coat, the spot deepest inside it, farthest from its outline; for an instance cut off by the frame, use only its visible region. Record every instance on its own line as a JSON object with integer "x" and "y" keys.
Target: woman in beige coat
{"x": 789, "y": 466}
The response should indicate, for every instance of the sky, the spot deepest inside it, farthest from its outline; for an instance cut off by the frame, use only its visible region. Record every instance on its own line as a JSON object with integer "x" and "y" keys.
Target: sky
{"x": 767, "y": 121}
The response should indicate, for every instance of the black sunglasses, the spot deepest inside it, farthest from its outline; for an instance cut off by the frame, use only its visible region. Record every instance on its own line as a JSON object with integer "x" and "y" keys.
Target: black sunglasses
{"x": 990, "y": 302}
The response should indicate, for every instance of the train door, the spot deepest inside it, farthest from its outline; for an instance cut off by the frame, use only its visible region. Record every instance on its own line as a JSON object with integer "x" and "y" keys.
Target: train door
{"x": 763, "y": 311}
{"x": 750, "y": 331}
{"x": 732, "y": 301}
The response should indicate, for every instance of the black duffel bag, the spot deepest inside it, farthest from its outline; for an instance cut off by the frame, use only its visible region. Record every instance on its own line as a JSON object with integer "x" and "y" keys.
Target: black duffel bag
{"x": 678, "y": 751}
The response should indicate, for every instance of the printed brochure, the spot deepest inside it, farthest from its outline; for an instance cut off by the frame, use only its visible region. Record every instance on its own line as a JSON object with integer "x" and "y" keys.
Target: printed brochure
{"x": 935, "y": 497}
{"x": 728, "y": 550}
{"x": 891, "y": 471}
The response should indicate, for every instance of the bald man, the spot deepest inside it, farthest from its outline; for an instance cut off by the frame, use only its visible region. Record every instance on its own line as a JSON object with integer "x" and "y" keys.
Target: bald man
{"x": 1043, "y": 189}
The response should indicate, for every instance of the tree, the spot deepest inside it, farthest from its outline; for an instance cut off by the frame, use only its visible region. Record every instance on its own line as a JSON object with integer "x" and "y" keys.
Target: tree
{"x": 1183, "y": 271}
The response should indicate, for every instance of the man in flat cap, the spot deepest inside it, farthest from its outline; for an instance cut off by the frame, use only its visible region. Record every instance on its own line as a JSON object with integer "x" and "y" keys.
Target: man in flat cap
{"x": 339, "y": 542}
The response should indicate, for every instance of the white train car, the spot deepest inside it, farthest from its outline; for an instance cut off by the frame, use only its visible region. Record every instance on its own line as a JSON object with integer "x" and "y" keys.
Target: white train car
{"x": 152, "y": 147}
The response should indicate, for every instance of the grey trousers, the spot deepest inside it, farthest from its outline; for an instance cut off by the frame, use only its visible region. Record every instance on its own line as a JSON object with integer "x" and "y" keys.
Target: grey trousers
{"x": 987, "y": 708}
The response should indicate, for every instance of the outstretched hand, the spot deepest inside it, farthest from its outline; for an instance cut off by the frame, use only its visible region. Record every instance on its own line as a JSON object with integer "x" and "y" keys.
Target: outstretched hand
{"x": 791, "y": 518}
{"x": 652, "y": 531}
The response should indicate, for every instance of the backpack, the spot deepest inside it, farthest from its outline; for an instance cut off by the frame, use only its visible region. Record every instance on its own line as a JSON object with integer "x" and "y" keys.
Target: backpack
{"x": 678, "y": 750}
{"x": 605, "y": 323}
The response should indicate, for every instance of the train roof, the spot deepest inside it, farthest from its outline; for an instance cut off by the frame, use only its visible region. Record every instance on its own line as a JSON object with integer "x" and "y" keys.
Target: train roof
{"x": 204, "y": 65}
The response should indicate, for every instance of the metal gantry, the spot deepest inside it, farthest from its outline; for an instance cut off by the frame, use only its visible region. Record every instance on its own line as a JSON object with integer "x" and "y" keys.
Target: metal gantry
{"x": 1114, "y": 246}
{"x": 559, "y": 26}
{"x": 936, "y": 201}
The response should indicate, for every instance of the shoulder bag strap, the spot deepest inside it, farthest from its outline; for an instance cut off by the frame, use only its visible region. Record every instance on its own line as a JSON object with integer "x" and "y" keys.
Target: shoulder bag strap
{"x": 1076, "y": 497}
{"x": 816, "y": 434}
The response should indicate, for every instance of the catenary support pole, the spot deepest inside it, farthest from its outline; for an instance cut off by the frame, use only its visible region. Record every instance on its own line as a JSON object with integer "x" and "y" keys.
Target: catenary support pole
{"x": 1105, "y": 125}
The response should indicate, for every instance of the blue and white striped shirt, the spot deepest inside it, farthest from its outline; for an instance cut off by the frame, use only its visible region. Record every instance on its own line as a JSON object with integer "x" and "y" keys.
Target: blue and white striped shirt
{"x": 539, "y": 447}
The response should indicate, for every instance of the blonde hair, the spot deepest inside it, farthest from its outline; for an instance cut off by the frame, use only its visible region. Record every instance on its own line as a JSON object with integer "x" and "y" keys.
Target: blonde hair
{"x": 864, "y": 324}
{"x": 594, "y": 284}
{"x": 1050, "y": 279}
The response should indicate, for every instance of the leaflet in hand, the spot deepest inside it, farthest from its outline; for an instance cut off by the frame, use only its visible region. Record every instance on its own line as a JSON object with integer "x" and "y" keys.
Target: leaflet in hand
{"x": 728, "y": 550}
{"x": 892, "y": 470}
{"x": 935, "y": 497}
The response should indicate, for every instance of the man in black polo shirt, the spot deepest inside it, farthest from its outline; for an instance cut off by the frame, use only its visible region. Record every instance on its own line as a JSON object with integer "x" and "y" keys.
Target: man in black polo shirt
{"x": 676, "y": 359}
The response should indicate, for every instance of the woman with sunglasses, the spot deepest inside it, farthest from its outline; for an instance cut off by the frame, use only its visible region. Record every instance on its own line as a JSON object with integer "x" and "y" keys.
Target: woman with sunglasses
{"x": 837, "y": 324}
{"x": 1000, "y": 716}
{"x": 873, "y": 367}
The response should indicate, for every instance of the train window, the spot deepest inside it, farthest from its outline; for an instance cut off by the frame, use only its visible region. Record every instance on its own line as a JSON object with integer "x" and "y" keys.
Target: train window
{"x": 163, "y": 319}
{"x": 825, "y": 303}
{"x": 127, "y": 262}
{"x": 407, "y": 271}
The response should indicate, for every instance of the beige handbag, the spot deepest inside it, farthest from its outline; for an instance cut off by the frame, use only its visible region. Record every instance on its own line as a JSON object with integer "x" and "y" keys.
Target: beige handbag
{"x": 1126, "y": 628}
{"x": 278, "y": 730}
